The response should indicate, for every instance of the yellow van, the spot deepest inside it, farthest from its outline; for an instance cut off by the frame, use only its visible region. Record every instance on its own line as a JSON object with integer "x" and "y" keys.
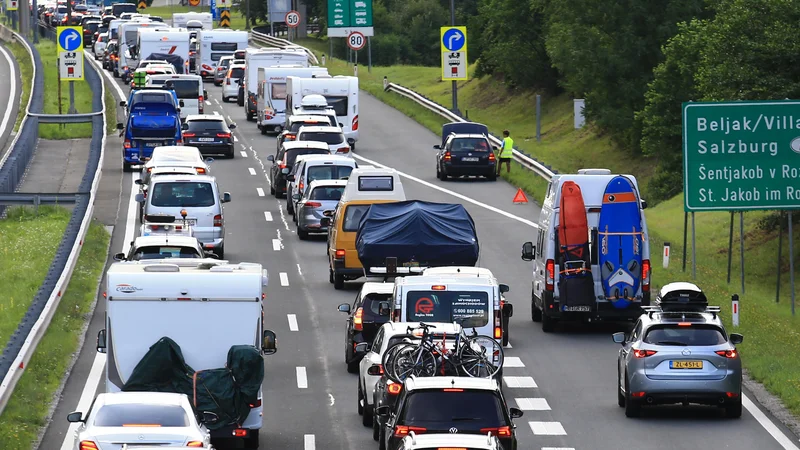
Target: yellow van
{"x": 366, "y": 186}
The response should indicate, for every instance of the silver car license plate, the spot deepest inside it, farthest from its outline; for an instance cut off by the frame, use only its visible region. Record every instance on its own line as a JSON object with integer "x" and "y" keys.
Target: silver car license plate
{"x": 470, "y": 159}
{"x": 205, "y": 139}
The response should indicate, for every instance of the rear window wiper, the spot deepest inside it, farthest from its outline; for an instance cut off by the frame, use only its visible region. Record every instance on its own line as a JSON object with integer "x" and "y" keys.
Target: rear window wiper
{"x": 671, "y": 343}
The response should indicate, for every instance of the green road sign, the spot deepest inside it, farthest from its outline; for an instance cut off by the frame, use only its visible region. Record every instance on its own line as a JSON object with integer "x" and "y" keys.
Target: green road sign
{"x": 741, "y": 155}
{"x": 347, "y": 16}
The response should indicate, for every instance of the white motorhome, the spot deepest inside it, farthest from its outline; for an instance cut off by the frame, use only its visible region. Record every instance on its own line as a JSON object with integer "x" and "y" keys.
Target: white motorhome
{"x": 213, "y": 45}
{"x": 169, "y": 45}
{"x": 266, "y": 57}
{"x": 127, "y": 42}
{"x": 179, "y": 20}
{"x": 206, "y": 306}
{"x": 271, "y": 94}
{"x": 113, "y": 28}
{"x": 341, "y": 93}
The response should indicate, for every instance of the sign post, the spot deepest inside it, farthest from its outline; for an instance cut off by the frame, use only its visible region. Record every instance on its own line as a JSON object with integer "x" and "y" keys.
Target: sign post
{"x": 453, "y": 45}
{"x": 70, "y": 59}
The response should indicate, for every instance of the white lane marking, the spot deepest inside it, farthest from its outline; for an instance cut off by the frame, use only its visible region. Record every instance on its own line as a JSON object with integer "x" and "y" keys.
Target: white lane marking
{"x": 12, "y": 93}
{"x": 558, "y": 448}
{"x": 260, "y": 192}
{"x": 216, "y": 113}
{"x": 87, "y": 396}
{"x": 251, "y": 170}
{"x": 216, "y": 101}
{"x": 268, "y": 216}
{"x": 130, "y": 220}
{"x": 299, "y": 271}
{"x": 532, "y": 404}
{"x": 243, "y": 153}
{"x": 454, "y": 194}
{"x": 230, "y": 120}
{"x": 261, "y": 163}
{"x": 309, "y": 442}
{"x": 333, "y": 400}
{"x": 512, "y": 361}
{"x": 209, "y": 103}
{"x": 302, "y": 379}
{"x": 292, "y": 322}
{"x": 276, "y": 244}
{"x": 283, "y": 216}
{"x": 235, "y": 139}
{"x": 547, "y": 428}
{"x": 520, "y": 382}
{"x": 284, "y": 278}
{"x": 508, "y": 345}
{"x": 774, "y": 431}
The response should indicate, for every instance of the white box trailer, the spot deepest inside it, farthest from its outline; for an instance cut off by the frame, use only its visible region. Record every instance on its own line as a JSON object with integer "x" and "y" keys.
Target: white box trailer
{"x": 266, "y": 57}
{"x": 271, "y": 94}
{"x": 179, "y": 20}
{"x": 204, "y": 305}
{"x": 170, "y": 45}
{"x": 341, "y": 92}
{"x": 213, "y": 45}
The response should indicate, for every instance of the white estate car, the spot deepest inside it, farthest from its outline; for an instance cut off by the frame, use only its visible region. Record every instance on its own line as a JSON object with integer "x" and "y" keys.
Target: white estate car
{"x": 333, "y": 136}
{"x": 163, "y": 246}
{"x": 144, "y": 418}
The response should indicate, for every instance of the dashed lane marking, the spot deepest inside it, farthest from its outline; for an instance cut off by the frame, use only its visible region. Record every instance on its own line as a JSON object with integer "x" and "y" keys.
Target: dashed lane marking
{"x": 299, "y": 271}
{"x": 268, "y": 216}
{"x": 251, "y": 170}
{"x": 276, "y": 245}
{"x": 558, "y": 448}
{"x": 260, "y": 192}
{"x": 512, "y": 361}
{"x": 216, "y": 113}
{"x": 309, "y": 443}
{"x": 208, "y": 103}
{"x": 284, "y": 278}
{"x": 292, "y": 322}
{"x": 243, "y": 153}
{"x": 235, "y": 139}
{"x": 520, "y": 382}
{"x": 302, "y": 379}
{"x": 547, "y": 428}
{"x": 532, "y": 404}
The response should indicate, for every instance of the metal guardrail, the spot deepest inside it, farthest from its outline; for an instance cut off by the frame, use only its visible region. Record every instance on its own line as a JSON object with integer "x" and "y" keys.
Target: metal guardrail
{"x": 282, "y": 43}
{"x": 65, "y": 118}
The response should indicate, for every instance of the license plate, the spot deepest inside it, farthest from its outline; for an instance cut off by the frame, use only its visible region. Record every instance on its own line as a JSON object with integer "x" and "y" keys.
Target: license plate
{"x": 585, "y": 308}
{"x": 411, "y": 264}
{"x": 205, "y": 139}
{"x": 686, "y": 364}
{"x": 190, "y": 222}
{"x": 470, "y": 159}
{"x": 153, "y": 144}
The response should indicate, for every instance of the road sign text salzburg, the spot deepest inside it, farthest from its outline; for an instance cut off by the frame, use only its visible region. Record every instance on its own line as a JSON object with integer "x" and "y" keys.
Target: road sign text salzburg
{"x": 741, "y": 155}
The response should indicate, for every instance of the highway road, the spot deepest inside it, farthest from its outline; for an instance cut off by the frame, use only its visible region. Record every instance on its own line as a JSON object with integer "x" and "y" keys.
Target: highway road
{"x": 310, "y": 399}
{"x": 9, "y": 96}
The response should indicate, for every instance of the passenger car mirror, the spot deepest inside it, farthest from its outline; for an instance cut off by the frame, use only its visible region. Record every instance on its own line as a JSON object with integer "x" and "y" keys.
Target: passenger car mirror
{"x": 619, "y": 338}
{"x": 74, "y": 417}
{"x": 327, "y": 213}
{"x": 210, "y": 254}
{"x": 296, "y": 197}
{"x": 527, "y": 251}
{"x": 504, "y": 288}
{"x": 383, "y": 309}
{"x": 341, "y": 125}
{"x": 515, "y": 413}
{"x": 226, "y": 197}
{"x": 119, "y": 257}
{"x": 208, "y": 417}
{"x": 101, "y": 341}
{"x": 139, "y": 198}
{"x": 644, "y": 204}
{"x": 736, "y": 338}
{"x": 271, "y": 158}
{"x": 324, "y": 222}
{"x": 290, "y": 177}
{"x": 494, "y": 148}
{"x": 344, "y": 307}
{"x": 139, "y": 181}
{"x": 362, "y": 347}
{"x": 208, "y": 160}
{"x": 120, "y": 127}
{"x": 269, "y": 342}
{"x": 351, "y": 141}
{"x": 123, "y": 103}
{"x": 184, "y": 126}
{"x": 382, "y": 410}
{"x": 232, "y": 126}
{"x": 181, "y": 104}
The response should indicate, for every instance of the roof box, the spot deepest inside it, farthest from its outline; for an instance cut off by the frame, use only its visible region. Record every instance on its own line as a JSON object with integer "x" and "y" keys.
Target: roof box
{"x": 313, "y": 101}
{"x": 594, "y": 171}
{"x": 681, "y": 296}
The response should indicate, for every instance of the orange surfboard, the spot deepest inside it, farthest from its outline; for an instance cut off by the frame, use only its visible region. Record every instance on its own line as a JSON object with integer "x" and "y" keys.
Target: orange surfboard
{"x": 573, "y": 229}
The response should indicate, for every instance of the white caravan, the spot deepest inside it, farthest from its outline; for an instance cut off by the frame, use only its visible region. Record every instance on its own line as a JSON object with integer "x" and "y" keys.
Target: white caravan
{"x": 113, "y": 28}
{"x": 271, "y": 94}
{"x": 341, "y": 93}
{"x": 179, "y": 20}
{"x": 128, "y": 39}
{"x": 168, "y": 45}
{"x": 213, "y": 45}
{"x": 204, "y": 305}
{"x": 266, "y": 57}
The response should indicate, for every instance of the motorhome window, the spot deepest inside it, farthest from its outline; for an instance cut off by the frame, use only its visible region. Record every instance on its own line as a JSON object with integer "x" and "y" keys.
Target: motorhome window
{"x": 339, "y": 104}
{"x": 182, "y": 194}
{"x": 130, "y": 36}
{"x": 187, "y": 88}
{"x": 237, "y": 72}
{"x": 224, "y": 46}
{"x": 327, "y": 193}
{"x": 353, "y": 215}
{"x": 448, "y": 306}
{"x": 328, "y": 138}
{"x": 328, "y": 172}
{"x": 206, "y": 125}
{"x": 217, "y": 56}
{"x": 121, "y": 8}
{"x": 159, "y": 252}
{"x": 375, "y": 183}
{"x": 463, "y": 145}
{"x": 154, "y": 98}
{"x": 127, "y": 414}
{"x": 157, "y": 82}
{"x": 278, "y": 91}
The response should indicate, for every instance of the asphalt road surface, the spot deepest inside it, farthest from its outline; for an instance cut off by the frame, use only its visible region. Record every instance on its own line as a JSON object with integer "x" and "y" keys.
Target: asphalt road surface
{"x": 567, "y": 377}
{"x": 10, "y": 89}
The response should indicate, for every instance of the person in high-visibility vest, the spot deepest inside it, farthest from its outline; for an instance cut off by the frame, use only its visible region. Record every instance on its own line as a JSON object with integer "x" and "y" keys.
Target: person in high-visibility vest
{"x": 506, "y": 152}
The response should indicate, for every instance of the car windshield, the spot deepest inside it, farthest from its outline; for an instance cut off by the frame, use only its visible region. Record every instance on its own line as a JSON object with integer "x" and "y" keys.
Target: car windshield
{"x": 474, "y": 409}
{"x": 353, "y": 215}
{"x": 326, "y": 193}
{"x": 159, "y": 251}
{"x": 186, "y": 88}
{"x": 206, "y": 125}
{"x": 693, "y": 335}
{"x": 326, "y": 137}
{"x": 236, "y": 72}
{"x": 182, "y": 194}
{"x": 141, "y": 415}
{"x": 471, "y": 308}
{"x": 328, "y": 172}
{"x": 469, "y": 145}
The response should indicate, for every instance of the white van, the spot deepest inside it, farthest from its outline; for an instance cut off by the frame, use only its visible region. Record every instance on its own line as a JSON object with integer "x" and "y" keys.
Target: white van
{"x": 340, "y": 92}
{"x": 189, "y": 89}
{"x": 182, "y": 299}
{"x": 171, "y": 46}
{"x": 548, "y": 303}
{"x": 213, "y": 45}
{"x": 308, "y": 168}
{"x": 266, "y": 57}
{"x": 271, "y": 94}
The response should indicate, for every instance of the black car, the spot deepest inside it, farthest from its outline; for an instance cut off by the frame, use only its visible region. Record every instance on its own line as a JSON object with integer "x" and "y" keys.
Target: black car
{"x": 386, "y": 394}
{"x": 283, "y": 162}
{"x": 363, "y": 322}
{"x": 240, "y": 93}
{"x": 89, "y": 29}
{"x": 466, "y": 154}
{"x": 449, "y": 405}
{"x": 210, "y": 134}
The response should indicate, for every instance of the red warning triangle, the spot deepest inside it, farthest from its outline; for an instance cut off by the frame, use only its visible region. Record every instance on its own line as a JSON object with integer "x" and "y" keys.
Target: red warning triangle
{"x": 520, "y": 197}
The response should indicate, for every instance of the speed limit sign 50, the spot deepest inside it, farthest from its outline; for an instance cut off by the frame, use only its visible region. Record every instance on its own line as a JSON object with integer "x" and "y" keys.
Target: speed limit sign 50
{"x": 292, "y": 19}
{"x": 356, "y": 40}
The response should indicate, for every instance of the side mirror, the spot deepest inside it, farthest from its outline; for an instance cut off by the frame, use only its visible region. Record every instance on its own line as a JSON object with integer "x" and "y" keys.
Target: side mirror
{"x": 208, "y": 160}
{"x": 515, "y": 413}
{"x": 383, "y": 309}
{"x": 226, "y": 197}
{"x": 382, "y": 410}
{"x": 324, "y": 222}
{"x": 327, "y": 213}
{"x": 437, "y": 147}
{"x": 269, "y": 342}
{"x": 119, "y": 257}
{"x": 101, "y": 341}
{"x": 296, "y": 197}
{"x": 528, "y": 251}
{"x": 75, "y": 417}
{"x": 362, "y": 347}
{"x": 351, "y": 141}
{"x": 504, "y": 288}
{"x": 271, "y": 158}
{"x": 341, "y": 125}
{"x": 290, "y": 177}
{"x": 232, "y": 126}
{"x": 736, "y": 338}
{"x": 495, "y": 148}
{"x": 139, "y": 181}
{"x": 344, "y": 307}
{"x": 208, "y": 418}
{"x": 181, "y": 104}
{"x": 120, "y": 127}
{"x": 619, "y": 338}
{"x": 644, "y": 204}
{"x": 139, "y": 198}
{"x": 184, "y": 126}
{"x": 123, "y": 103}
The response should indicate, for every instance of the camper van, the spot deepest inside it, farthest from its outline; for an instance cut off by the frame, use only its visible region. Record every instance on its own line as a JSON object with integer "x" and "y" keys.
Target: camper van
{"x": 213, "y": 45}
{"x": 266, "y": 57}
{"x": 271, "y": 94}
{"x": 598, "y": 266}
{"x": 180, "y": 20}
{"x": 341, "y": 93}
{"x": 168, "y": 45}
{"x": 205, "y": 306}
{"x": 128, "y": 50}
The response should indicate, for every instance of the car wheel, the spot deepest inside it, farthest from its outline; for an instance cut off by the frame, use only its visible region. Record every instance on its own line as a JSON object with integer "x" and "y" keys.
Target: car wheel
{"x": 330, "y": 275}
{"x": 506, "y": 332}
{"x": 349, "y": 354}
{"x": 338, "y": 281}
{"x": 263, "y": 130}
{"x": 252, "y": 440}
{"x": 438, "y": 172}
{"x": 632, "y": 409}
{"x": 375, "y": 426}
{"x": 547, "y": 322}
{"x": 359, "y": 404}
{"x": 221, "y": 252}
{"x": 620, "y": 395}
{"x": 127, "y": 167}
{"x": 536, "y": 313}
{"x": 303, "y": 235}
{"x": 289, "y": 206}
{"x": 366, "y": 419}
{"x": 272, "y": 190}
{"x": 492, "y": 177}
{"x": 733, "y": 410}
{"x": 249, "y": 116}
{"x": 382, "y": 438}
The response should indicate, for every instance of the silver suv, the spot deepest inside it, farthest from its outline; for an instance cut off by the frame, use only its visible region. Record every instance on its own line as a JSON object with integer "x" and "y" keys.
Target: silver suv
{"x": 679, "y": 352}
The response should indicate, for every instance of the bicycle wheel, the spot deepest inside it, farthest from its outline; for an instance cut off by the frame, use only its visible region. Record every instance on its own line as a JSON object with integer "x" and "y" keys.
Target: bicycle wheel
{"x": 414, "y": 360}
{"x": 481, "y": 357}
{"x": 388, "y": 360}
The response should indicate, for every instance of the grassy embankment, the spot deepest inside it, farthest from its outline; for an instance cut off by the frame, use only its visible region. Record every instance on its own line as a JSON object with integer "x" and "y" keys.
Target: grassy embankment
{"x": 27, "y": 246}
{"x": 769, "y": 327}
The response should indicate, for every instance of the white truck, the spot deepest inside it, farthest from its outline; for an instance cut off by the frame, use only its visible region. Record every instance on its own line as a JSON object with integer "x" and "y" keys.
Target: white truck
{"x": 341, "y": 93}
{"x": 213, "y": 45}
{"x": 205, "y": 306}
{"x": 266, "y": 57}
{"x": 271, "y": 94}
{"x": 179, "y": 20}
{"x": 169, "y": 45}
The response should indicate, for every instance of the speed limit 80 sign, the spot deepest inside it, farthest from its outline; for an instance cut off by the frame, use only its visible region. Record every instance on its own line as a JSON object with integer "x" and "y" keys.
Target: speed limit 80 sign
{"x": 356, "y": 40}
{"x": 292, "y": 19}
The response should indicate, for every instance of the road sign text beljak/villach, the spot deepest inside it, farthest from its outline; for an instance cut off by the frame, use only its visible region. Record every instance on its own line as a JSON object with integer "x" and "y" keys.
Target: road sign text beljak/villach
{"x": 453, "y": 43}
{"x": 741, "y": 155}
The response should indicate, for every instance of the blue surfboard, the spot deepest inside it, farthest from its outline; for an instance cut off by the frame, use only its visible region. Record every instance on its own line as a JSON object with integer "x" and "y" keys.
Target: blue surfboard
{"x": 620, "y": 247}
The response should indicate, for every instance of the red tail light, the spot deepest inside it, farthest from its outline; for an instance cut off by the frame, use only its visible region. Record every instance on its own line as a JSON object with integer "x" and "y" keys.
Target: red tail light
{"x": 189, "y": 135}
{"x": 376, "y": 369}
{"x": 282, "y": 164}
{"x": 301, "y": 185}
{"x": 290, "y": 137}
{"x": 402, "y": 430}
{"x": 218, "y": 220}
{"x": 498, "y": 332}
{"x": 343, "y": 150}
{"x": 491, "y": 156}
{"x": 358, "y": 319}
{"x": 643, "y": 353}
{"x": 228, "y": 81}
{"x": 223, "y": 135}
{"x": 313, "y": 204}
{"x": 550, "y": 269}
{"x": 355, "y": 123}
{"x": 727, "y": 353}
{"x": 447, "y": 156}
{"x": 498, "y": 431}
{"x": 194, "y": 444}
{"x": 646, "y": 275}
{"x": 88, "y": 445}
{"x": 239, "y": 432}
{"x": 127, "y": 143}
{"x": 200, "y": 170}
{"x": 339, "y": 254}
{"x": 200, "y": 104}
{"x": 395, "y": 388}
{"x": 256, "y": 404}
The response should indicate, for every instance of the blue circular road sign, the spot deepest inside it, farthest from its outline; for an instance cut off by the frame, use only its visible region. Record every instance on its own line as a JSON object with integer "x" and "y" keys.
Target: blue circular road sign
{"x": 453, "y": 40}
{"x": 69, "y": 39}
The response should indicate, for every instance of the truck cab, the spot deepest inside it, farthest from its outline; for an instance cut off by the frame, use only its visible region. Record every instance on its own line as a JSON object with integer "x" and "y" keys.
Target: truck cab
{"x": 153, "y": 121}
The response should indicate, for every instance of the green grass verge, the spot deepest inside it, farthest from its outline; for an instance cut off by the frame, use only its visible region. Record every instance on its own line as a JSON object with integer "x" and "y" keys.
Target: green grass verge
{"x": 83, "y": 98}
{"x": 768, "y": 326}
{"x": 25, "y": 66}
{"x": 111, "y": 108}
{"x": 166, "y": 12}
{"x": 28, "y": 244}
{"x": 26, "y": 413}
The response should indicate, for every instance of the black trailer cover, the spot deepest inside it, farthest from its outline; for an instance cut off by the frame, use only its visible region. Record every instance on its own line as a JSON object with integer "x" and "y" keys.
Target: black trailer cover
{"x": 463, "y": 128}
{"x": 175, "y": 60}
{"x": 432, "y": 234}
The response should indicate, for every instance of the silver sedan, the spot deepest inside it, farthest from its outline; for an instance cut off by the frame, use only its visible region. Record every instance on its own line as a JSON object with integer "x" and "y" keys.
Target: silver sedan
{"x": 321, "y": 195}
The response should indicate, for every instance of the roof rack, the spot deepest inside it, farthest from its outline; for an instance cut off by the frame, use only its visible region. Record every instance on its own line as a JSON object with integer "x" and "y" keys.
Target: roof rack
{"x": 650, "y": 310}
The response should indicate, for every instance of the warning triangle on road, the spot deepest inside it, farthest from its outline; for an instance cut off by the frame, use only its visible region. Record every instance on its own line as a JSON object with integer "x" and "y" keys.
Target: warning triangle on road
{"x": 520, "y": 197}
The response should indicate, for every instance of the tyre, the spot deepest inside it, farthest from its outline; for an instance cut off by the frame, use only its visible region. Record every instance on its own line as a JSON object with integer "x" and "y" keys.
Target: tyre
{"x": 620, "y": 395}
{"x": 338, "y": 281}
{"x": 352, "y": 367}
{"x": 249, "y": 116}
{"x": 382, "y": 438}
{"x": 263, "y": 130}
{"x": 289, "y": 205}
{"x": 272, "y": 190}
{"x": 492, "y": 177}
{"x": 376, "y": 430}
{"x": 547, "y": 322}
{"x": 303, "y": 235}
{"x": 632, "y": 409}
{"x": 733, "y": 410}
{"x": 360, "y": 399}
{"x": 438, "y": 172}
{"x": 127, "y": 167}
{"x": 231, "y": 154}
{"x": 506, "y": 331}
{"x": 536, "y": 313}
{"x": 221, "y": 252}
{"x": 366, "y": 419}
{"x": 252, "y": 440}
{"x": 330, "y": 275}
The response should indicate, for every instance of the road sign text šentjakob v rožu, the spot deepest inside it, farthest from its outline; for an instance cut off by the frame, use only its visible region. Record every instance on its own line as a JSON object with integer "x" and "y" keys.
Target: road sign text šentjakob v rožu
{"x": 741, "y": 155}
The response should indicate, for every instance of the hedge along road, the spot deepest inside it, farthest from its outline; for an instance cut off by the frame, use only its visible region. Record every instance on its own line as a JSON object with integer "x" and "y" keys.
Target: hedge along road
{"x": 565, "y": 379}
{"x": 9, "y": 96}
